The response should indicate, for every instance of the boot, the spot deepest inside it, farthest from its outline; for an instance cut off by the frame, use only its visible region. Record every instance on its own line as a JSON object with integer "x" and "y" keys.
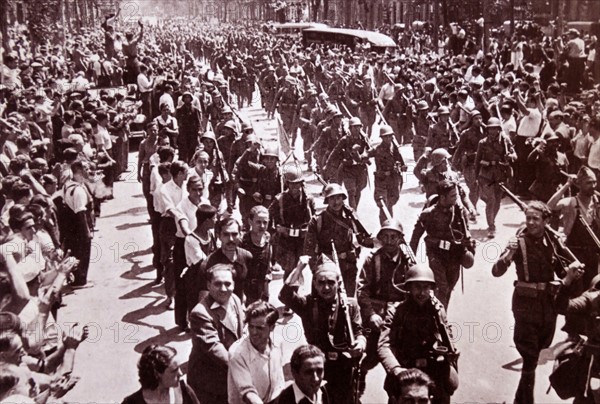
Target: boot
{"x": 525, "y": 389}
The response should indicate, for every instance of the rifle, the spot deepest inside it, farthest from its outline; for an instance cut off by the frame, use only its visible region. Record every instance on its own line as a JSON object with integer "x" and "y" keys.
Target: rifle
{"x": 550, "y": 232}
{"x": 344, "y": 309}
{"x": 363, "y": 236}
{"x": 585, "y": 225}
{"x": 443, "y": 346}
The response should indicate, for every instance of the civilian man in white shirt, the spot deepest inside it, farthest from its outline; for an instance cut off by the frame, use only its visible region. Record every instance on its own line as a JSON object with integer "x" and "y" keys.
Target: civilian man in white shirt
{"x": 528, "y": 128}
{"x": 255, "y": 373}
{"x": 170, "y": 195}
{"x": 186, "y": 223}
{"x": 145, "y": 87}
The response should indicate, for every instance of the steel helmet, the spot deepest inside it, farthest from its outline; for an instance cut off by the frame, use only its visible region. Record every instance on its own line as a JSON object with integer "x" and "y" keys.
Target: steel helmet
{"x": 438, "y": 156}
{"x": 252, "y": 139}
{"x": 293, "y": 176}
{"x": 246, "y": 126}
{"x": 231, "y": 125}
{"x": 208, "y": 135}
{"x": 493, "y": 123}
{"x": 386, "y": 130}
{"x": 419, "y": 273}
{"x": 355, "y": 121}
{"x": 226, "y": 110}
{"x": 422, "y": 105}
{"x": 271, "y": 150}
{"x": 334, "y": 189}
{"x": 391, "y": 225}
{"x": 443, "y": 110}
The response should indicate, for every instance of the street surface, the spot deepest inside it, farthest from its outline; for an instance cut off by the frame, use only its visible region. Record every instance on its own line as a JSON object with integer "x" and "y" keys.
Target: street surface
{"x": 126, "y": 311}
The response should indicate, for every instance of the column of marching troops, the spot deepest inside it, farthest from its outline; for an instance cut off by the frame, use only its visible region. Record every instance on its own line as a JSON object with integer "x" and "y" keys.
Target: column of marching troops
{"x": 399, "y": 315}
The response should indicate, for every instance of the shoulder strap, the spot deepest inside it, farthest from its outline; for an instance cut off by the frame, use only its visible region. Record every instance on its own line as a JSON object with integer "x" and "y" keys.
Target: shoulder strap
{"x": 523, "y": 245}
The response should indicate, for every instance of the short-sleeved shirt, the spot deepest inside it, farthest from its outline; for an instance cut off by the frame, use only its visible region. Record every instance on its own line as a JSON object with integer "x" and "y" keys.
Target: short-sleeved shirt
{"x": 77, "y": 200}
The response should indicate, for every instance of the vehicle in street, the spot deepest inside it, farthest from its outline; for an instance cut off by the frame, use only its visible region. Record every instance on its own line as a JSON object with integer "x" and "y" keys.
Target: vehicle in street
{"x": 350, "y": 37}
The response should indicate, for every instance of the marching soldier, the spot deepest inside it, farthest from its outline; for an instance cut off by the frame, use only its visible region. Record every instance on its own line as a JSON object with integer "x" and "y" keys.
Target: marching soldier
{"x": 268, "y": 86}
{"x": 338, "y": 223}
{"x": 308, "y": 126}
{"x": 493, "y": 161}
{"x": 389, "y": 166}
{"x": 269, "y": 177}
{"x": 465, "y": 153}
{"x": 368, "y": 104}
{"x": 448, "y": 242}
{"x": 415, "y": 334}
{"x": 325, "y": 326}
{"x": 286, "y": 102}
{"x": 441, "y": 135}
{"x": 537, "y": 262}
{"x": 290, "y": 214}
{"x": 420, "y": 129}
{"x": 245, "y": 175}
{"x": 328, "y": 138}
{"x": 349, "y": 162}
{"x": 585, "y": 206}
{"x": 382, "y": 269}
{"x": 353, "y": 95}
{"x": 440, "y": 170}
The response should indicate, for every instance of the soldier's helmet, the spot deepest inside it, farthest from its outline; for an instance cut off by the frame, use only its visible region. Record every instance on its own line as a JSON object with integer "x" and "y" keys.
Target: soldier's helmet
{"x": 419, "y": 273}
{"x": 252, "y": 139}
{"x": 391, "y": 224}
{"x": 208, "y": 135}
{"x": 438, "y": 156}
{"x": 443, "y": 111}
{"x": 291, "y": 173}
{"x": 422, "y": 105}
{"x": 231, "y": 125}
{"x": 271, "y": 150}
{"x": 355, "y": 121}
{"x": 246, "y": 126}
{"x": 334, "y": 189}
{"x": 226, "y": 110}
{"x": 493, "y": 123}
{"x": 386, "y": 130}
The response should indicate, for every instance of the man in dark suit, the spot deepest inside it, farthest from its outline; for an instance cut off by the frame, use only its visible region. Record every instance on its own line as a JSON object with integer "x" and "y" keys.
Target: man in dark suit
{"x": 216, "y": 323}
{"x": 308, "y": 367}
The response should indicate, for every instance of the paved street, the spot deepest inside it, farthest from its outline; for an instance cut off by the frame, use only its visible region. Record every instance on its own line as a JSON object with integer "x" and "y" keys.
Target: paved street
{"x": 126, "y": 311}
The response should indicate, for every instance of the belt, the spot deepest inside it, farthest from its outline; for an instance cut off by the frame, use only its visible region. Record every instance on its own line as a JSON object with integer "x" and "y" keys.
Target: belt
{"x": 248, "y": 179}
{"x": 288, "y": 105}
{"x": 294, "y": 232}
{"x": 492, "y": 163}
{"x": 386, "y": 173}
{"x": 531, "y": 285}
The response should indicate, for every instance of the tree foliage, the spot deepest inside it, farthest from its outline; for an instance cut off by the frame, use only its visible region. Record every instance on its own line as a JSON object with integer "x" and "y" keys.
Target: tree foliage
{"x": 43, "y": 17}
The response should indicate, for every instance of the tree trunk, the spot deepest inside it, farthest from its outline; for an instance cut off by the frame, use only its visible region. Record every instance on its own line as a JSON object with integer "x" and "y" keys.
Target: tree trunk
{"x": 4, "y": 24}
{"x": 325, "y": 10}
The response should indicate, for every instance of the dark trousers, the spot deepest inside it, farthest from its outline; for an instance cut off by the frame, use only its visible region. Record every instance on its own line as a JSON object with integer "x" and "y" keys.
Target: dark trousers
{"x": 179, "y": 263}
{"x": 338, "y": 374}
{"x": 81, "y": 249}
{"x": 167, "y": 241}
{"x": 155, "y": 224}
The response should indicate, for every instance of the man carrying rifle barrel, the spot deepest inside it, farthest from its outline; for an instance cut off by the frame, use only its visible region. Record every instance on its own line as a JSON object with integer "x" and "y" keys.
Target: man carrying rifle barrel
{"x": 338, "y": 222}
{"x": 448, "y": 242}
{"x": 537, "y": 260}
{"x": 326, "y": 325}
{"x": 382, "y": 269}
{"x": 585, "y": 206}
{"x": 415, "y": 335}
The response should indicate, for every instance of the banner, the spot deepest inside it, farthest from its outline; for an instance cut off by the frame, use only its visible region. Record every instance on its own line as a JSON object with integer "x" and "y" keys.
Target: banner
{"x": 285, "y": 144}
